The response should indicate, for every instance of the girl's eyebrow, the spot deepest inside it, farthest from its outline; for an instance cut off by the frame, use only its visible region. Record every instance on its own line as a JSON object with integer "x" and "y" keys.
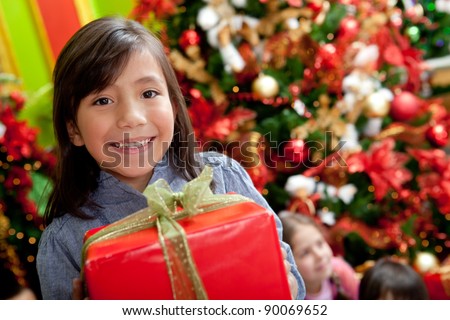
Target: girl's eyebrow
{"x": 150, "y": 78}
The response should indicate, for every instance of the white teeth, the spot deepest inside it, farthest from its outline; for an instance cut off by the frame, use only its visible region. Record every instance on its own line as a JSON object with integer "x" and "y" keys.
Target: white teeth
{"x": 134, "y": 144}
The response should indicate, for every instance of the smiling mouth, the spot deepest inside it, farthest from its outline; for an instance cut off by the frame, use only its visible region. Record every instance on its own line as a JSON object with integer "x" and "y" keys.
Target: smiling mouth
{"x": 133, "y": 144}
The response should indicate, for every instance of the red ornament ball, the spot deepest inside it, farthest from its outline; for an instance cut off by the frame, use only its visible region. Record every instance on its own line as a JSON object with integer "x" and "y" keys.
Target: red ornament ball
{"x": 437, "y": 135}
{"x": 315, "y": 7}
{"x": 296, "y": 151}
{"x": 294, "y": 90}
{"x": 348, "y": 28}
{"x": 405, "y": 106}
{"x": 328, "y": 54}
{"x": 189, "y": 38}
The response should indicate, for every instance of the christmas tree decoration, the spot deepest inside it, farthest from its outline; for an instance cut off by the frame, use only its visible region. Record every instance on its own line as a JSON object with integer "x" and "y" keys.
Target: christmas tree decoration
{"x": 377, "y": 104}
{"x": 188, "y": 39}
{"x": 383, "y": 165}
{"x": 405, "y": 106}
{"x": 348, "y": 28}
{"x": 159, "y": 8}
{"x": 333, "y": 91}
{"x": 373, "y": 127}
{"x": 192, "y": 65}
{"x": 437, "y": 281}
{"x": 9, "y": 258}
{"x": 24, "y": 170}
{"x": 221, "y": 22}
{"x": 437, "y": 135}
{"x": 296, "y": 151}
{"x": 426, "y": 32}
{"x": 265, "y": 87}
{"x": 425, "y": 262}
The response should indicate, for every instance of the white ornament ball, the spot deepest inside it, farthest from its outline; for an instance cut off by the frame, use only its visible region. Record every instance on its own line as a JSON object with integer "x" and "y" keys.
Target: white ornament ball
{"x": 239, "y": 3}
{"x": 207, "y": 18}
{"x": 377, "y": 105}
{"x": 425, "y": 261}
{"x": 265, "y": 87}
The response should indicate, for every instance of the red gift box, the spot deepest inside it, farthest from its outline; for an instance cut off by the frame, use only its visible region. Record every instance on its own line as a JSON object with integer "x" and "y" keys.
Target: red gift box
{"x": 438, "y": 283}
{"x": 236, "y": 251}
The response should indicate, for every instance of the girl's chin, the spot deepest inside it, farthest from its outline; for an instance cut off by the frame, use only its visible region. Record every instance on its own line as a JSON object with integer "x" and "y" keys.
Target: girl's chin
{"x": 324, "y": 272}
{"x": 131, "y": 173}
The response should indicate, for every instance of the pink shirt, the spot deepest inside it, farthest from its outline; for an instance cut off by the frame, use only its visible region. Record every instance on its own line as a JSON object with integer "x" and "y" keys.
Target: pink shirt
{"x": 348, "y": 280}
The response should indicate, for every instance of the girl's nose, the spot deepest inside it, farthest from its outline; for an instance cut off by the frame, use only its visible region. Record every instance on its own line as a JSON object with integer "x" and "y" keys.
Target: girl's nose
{"x": 130, "y": 115}
{"x": 317, "y": 252}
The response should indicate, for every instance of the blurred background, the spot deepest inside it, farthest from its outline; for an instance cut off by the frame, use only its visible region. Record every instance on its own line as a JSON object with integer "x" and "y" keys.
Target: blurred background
{"x": 337, "y": 110}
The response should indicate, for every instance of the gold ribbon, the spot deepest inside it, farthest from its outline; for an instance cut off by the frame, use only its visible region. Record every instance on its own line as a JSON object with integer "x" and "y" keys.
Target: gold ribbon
{"x": 163, "y": 210}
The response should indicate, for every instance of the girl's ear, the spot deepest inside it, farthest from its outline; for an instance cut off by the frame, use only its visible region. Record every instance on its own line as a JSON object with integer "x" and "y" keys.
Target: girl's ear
{"x": 74, "y": 134}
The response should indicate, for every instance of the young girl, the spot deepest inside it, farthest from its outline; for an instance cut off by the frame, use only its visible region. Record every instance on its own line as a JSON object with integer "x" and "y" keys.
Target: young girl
{"x": 326, "y": 277}
{"x": 121, "y": 123}
{"x": 392, "y": 280}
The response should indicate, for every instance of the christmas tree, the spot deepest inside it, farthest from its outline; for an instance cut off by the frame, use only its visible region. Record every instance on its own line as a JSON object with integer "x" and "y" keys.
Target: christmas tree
{"x": 321, "y": 102}
{"x": 426, "y": 23}
{"x": 24, "y": 168}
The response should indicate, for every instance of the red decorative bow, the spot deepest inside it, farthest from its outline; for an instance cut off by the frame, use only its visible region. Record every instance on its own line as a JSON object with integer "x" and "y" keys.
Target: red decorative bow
{"x": 384, "y": 166}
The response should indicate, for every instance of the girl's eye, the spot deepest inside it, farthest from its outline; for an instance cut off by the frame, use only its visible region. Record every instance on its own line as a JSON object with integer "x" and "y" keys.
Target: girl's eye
{"x": 303, "y": 253}
{"x": 149, "y": 94}
{"x": 102, "y": 101}
{"x": 320, "y": 243}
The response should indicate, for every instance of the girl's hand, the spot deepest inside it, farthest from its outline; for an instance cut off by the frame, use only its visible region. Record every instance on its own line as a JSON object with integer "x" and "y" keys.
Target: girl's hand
{"x": 77, "y": 289}
{"x": 293, "y": 285}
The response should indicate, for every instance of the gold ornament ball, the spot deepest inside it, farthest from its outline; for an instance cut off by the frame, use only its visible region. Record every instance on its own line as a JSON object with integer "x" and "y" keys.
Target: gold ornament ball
{"x": 265, "y": 87}
{"x": 425, "y": 261}
{"x": 376, "y": 105}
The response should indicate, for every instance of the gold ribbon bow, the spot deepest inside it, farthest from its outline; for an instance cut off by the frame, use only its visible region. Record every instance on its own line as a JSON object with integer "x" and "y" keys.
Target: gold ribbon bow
{"x": 164, "y": 208}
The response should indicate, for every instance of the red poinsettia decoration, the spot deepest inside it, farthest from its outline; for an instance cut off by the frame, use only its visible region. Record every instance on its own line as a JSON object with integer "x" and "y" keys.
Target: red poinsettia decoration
{"x": 18, "y": 138}
{"x": 384, "y": 166}
{"x": 396, "y": 50}
{"x": 210, "y": 123}
{"x": 21, "y": 156}
{"x": 435, "y": 181}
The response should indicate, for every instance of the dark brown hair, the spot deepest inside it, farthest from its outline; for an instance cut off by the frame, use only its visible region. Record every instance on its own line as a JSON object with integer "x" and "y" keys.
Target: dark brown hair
{"x": 392, "y": 277}
{"x": 90, "y": 61}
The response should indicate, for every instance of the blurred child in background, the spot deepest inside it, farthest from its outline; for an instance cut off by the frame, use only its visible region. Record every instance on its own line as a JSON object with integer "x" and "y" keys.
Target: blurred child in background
{"x": 326, "y": 277}
{"x": 390, "y": 279}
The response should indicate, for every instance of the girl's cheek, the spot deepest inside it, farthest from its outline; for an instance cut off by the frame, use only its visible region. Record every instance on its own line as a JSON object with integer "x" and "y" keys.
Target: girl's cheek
{"x": 305, "y": 266}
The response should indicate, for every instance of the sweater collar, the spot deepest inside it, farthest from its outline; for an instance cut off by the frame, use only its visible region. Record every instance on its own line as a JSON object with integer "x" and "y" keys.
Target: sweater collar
{"x": 111, "y": 190}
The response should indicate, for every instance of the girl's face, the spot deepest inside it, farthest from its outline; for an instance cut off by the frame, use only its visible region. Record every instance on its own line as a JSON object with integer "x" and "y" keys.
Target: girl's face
{"x": 312, "y": 255}
{"x": 128, "y": 126}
